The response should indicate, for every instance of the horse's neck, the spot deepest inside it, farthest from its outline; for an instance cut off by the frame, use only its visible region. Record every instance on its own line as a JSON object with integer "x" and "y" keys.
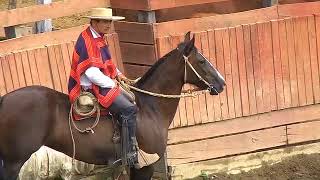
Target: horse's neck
{"x": 166, "y": 79}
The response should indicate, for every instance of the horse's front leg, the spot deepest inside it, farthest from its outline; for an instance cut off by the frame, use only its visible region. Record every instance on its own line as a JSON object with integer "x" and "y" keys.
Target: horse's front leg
{"x": 144, "y": 173}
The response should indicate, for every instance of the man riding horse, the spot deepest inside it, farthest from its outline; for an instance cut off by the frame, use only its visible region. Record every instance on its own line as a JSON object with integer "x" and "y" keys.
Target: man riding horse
{"x": 93, "y": 71}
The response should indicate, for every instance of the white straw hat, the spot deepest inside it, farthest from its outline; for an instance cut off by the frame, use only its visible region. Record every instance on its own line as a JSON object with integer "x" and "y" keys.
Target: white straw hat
{"x": 103, "y": 13}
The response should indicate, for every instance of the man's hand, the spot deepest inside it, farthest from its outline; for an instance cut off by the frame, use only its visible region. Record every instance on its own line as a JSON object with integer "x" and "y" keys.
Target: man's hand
{"x": 122, "y": 77}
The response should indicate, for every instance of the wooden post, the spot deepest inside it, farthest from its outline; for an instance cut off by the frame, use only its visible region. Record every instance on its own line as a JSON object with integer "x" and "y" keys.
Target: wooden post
{"x": 10, "y": 32}
{"x": 268, "y": 3}
{"x": 44, "y": 25}
{"x": 147, "y": 17}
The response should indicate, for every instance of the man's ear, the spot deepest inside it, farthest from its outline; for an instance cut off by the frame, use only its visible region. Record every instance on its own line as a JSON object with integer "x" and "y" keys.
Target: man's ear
{"x": 189, "y": 47}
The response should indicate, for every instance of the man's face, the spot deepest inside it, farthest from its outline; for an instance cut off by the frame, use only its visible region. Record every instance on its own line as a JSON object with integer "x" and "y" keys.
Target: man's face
{"x": 103, "y": 26}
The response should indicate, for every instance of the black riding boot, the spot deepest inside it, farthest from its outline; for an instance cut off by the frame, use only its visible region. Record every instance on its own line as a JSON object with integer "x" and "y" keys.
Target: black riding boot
{"x": 132, "y": 155}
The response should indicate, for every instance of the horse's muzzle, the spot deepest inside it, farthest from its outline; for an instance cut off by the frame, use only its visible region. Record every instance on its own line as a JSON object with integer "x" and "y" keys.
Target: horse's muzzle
{"x": 213, "y": 90}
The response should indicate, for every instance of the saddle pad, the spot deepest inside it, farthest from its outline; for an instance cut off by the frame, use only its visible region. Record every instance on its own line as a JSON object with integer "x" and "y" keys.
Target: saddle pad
{"x": 146, "y": 159}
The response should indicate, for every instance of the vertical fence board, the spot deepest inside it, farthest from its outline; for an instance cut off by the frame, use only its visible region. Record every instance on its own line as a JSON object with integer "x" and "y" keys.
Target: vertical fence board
{"x": 228, "y": 73}
{"x": 277, "y": 64}
{"x": 313, "y": 58}
{"x": 257, "y": 68}
{"x": 292, "y": 64}
{"x": 249, "y": 68}
{"x": 267, "y": 66}
{"x": 3, "y": 88}
{"x": 26, "y": 68}
{"x": 206, "y": 97}
{"x": 213, "y": 59}
{"x": 33, "y": 67}
{"x": 221, "y": 69}
{"x": 61, "y": 69}
{"x": 307, "y": 60}
{"x": 18, "y": 58}
{"x": 44, "y": 67}
{"x": 54, "y": 69}
{"x": 7, "y": 75}
{"x": 235, "y": 72}
{"x": 317, "y": 29}
{"x": 13, "y": 70}
{"x": 242, "y": 72}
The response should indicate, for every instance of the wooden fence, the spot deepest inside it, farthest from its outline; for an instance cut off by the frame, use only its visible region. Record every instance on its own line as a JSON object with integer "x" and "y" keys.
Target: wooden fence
{"x": 272, "y": 94}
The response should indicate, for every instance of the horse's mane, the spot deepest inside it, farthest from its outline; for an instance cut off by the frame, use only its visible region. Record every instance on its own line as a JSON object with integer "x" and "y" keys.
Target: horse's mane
{"x": 153, "y": 68}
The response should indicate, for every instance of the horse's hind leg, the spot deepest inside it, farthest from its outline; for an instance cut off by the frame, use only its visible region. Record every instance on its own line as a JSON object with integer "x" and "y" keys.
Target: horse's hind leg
{"x": 144, "y": 173}
{"x": 11, "y": 170}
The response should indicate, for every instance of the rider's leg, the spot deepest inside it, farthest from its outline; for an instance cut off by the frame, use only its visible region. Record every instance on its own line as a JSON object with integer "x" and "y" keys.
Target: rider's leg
{"x": 127, "y": 110}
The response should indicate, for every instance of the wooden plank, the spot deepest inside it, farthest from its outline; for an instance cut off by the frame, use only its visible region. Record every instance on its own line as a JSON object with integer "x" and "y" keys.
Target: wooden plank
{"x": 249, "y": 68}
{"x": 61, "y": 69}
{"x": 26, "y": 68}
{"x": 242, "y": 72}
{"x": 204, "y": 37}
{"x": 228, "y": 73}
{"x": 66, "y": 59}
{"x": 13, "y": 70}
{"x": 174, "y": 43}
{"x": 298, "y": 9}
{"x": 267, "y": 66}
{"x": 3, "y": 88}
{"x": 135, "y": 71}
{"x": 196, "y": 100}
{"x": 245, "y": 124}
{"x": 210, "y": 22}
{"x": 18, "y": 58}
{"x": 218, "y": 33}
{"x": 128, "y": 4}
{"x": 299, "y": 39}
{"x": 257, "y": 68}
{"x": 150, "y": 5}
{"x": 317, "y": 26}
{"x": 163, "y": 46}
{"x": 33, "y": 67}
{"x": 307, "y": 60}
{"x": 226, "y": 145}
{"x": 277, "y": 64}
{"x": 7, "y": 75}
{"x": 292, "y": 64}
{"x": 314, "y": 58}
{"x": 54, "y": 69}
{"x": 235, "y": 72}
{"x": 303, "y": 132}
{"x": 213, "y": 59}
{"x": 143, "y": 32}
{"x": 70, "y": 46}
{"x": 118, "y": 52}
{"x": 40, "y": 40}
{"x": 138, "y": 53}
{"x": 41, "y": 12}
{"x": 42, "y": 61}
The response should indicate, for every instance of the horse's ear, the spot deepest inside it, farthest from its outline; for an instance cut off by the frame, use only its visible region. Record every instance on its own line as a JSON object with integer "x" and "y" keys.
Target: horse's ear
{"x": 189, "y": 46}
{"x": 187, "y": 37}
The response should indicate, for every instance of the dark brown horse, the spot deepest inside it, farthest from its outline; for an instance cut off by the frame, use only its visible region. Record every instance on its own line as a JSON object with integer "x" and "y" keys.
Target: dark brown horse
{"x": 34, "y": 116}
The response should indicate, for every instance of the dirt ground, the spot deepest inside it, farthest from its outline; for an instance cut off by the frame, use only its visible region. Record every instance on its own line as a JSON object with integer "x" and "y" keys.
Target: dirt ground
{"x": 298, "y": 167}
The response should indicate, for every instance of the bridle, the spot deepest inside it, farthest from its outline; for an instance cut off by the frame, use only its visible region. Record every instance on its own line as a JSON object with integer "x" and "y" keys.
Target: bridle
{"x": 189, "y": 93}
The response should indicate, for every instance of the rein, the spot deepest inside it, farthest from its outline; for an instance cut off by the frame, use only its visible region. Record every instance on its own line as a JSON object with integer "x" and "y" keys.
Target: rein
{"x": 188, "y": 93}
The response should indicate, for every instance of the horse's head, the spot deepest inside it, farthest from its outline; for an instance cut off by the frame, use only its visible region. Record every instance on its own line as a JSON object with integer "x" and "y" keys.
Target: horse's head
{"x": 198, "y": 70}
